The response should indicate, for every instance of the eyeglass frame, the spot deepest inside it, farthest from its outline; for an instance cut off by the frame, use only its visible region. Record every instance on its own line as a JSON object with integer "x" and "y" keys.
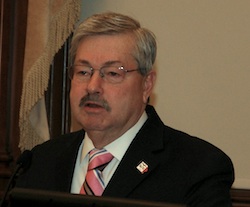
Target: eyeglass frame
{"x": 71, "y": 72}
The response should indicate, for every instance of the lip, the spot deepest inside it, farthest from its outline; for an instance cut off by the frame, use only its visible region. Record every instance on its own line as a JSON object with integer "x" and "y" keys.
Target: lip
{"x": 93, "y": 106}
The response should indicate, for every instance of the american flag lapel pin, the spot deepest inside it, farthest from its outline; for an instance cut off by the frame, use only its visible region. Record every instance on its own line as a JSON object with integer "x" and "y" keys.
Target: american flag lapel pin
{"x": 142, "y": 167}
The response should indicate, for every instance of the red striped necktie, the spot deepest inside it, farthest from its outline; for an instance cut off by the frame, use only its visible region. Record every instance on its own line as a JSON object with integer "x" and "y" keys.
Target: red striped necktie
{"x": 94, "y": 184}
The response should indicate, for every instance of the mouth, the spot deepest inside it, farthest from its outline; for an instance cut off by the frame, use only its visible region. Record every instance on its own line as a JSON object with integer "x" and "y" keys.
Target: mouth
{"x": 93, "y": 105}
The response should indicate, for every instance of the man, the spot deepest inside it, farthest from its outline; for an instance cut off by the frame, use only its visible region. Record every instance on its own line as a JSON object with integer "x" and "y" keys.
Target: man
{"x": 111, "y": 82}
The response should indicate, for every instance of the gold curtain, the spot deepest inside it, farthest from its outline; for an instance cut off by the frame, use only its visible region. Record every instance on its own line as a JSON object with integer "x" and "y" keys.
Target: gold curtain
{"x": 50, "y": 22}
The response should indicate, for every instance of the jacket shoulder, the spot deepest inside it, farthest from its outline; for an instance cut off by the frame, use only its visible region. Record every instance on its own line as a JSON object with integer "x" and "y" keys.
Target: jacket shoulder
{"x": 60, "y": 143}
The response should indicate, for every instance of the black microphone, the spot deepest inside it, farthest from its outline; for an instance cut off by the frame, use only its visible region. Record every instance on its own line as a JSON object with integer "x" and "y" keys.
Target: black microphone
{"x": 22, "y": 163}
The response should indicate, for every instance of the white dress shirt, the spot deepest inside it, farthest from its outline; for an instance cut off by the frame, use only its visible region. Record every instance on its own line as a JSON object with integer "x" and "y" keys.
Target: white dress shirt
{"x": 117, "y": 148}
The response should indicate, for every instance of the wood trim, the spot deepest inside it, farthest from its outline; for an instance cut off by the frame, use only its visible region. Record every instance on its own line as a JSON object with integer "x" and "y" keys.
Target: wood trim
{"x": 240, "y": 197}
{"x": 57, "y": 95}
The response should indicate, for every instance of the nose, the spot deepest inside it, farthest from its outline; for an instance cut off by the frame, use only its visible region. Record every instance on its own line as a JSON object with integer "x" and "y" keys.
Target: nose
{"x": 95, "y": 83}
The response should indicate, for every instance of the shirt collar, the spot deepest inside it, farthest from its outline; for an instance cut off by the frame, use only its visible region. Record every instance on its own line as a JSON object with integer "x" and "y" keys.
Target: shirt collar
{"x": 119, "y": 146}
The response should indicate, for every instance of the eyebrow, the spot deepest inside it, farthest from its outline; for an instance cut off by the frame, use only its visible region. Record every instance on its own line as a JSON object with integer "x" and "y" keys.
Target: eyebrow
{"x": 107, "y": 63}
{"x": 111, "y": 62}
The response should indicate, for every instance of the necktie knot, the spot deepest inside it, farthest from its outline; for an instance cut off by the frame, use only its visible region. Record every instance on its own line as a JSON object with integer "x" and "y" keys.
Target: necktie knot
{"x": 98, "y": 159}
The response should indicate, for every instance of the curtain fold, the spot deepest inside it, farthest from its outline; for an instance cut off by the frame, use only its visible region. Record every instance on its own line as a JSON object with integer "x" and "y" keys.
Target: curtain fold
{"x": 49, "y": 24}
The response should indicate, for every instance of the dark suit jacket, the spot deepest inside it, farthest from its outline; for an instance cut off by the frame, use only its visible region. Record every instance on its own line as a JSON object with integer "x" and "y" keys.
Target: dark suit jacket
{"x": 181, "y": 168}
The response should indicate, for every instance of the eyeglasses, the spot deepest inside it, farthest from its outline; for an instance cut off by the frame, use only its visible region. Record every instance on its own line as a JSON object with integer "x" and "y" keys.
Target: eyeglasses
{"x": 111, "y": 74}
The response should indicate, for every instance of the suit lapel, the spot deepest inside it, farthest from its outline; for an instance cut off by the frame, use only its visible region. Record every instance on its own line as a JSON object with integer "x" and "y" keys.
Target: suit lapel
{"x": 145, "y": 148}
{"x": 66, "y": 162}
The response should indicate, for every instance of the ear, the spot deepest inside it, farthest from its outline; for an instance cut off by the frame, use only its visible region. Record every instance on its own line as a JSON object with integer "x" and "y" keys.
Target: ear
{"x": 149, "y": 82}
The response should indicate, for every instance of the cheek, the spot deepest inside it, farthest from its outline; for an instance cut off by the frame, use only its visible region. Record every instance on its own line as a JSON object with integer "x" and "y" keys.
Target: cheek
{"x": 132, "y": 95}
{"x": 72, "y": 96}
{"x": 76, "y": 93}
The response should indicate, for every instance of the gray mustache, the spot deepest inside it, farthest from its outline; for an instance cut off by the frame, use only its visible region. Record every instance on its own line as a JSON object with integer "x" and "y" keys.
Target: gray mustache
{"x": 96, "y": 99}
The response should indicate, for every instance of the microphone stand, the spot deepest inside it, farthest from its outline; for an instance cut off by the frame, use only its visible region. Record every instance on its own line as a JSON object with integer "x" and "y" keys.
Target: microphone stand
{"x": 23, "y": 162}
{"x": 9, "y": 185}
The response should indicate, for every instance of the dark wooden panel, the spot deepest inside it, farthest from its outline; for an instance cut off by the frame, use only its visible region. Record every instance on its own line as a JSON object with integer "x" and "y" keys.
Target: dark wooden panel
{"x": 12, "y": 42}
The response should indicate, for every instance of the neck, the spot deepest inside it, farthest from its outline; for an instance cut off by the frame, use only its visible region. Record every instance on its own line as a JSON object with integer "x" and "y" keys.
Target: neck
{"x": 101, "y": 139}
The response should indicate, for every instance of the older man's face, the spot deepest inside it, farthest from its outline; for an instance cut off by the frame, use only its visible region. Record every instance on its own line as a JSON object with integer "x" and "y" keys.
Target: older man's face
{"x": 110, "y": 108}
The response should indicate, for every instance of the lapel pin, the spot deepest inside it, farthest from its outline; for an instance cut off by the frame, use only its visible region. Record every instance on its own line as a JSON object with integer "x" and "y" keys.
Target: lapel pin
{"x": 142, "y": 167}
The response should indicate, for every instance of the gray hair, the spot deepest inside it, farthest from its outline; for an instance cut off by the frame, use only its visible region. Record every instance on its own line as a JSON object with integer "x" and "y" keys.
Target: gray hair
{"x": 110, "y": 23}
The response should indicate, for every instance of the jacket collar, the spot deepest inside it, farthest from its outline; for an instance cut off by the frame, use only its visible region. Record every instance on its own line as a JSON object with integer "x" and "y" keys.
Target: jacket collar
{"x": 143, "y": 153}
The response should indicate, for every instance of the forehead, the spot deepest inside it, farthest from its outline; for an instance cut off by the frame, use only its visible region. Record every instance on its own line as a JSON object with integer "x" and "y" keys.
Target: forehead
{"x": 103, "y": 48}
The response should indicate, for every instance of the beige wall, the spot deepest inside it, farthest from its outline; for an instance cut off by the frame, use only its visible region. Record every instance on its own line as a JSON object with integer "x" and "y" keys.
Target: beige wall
{"x": 203, "y": 68}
